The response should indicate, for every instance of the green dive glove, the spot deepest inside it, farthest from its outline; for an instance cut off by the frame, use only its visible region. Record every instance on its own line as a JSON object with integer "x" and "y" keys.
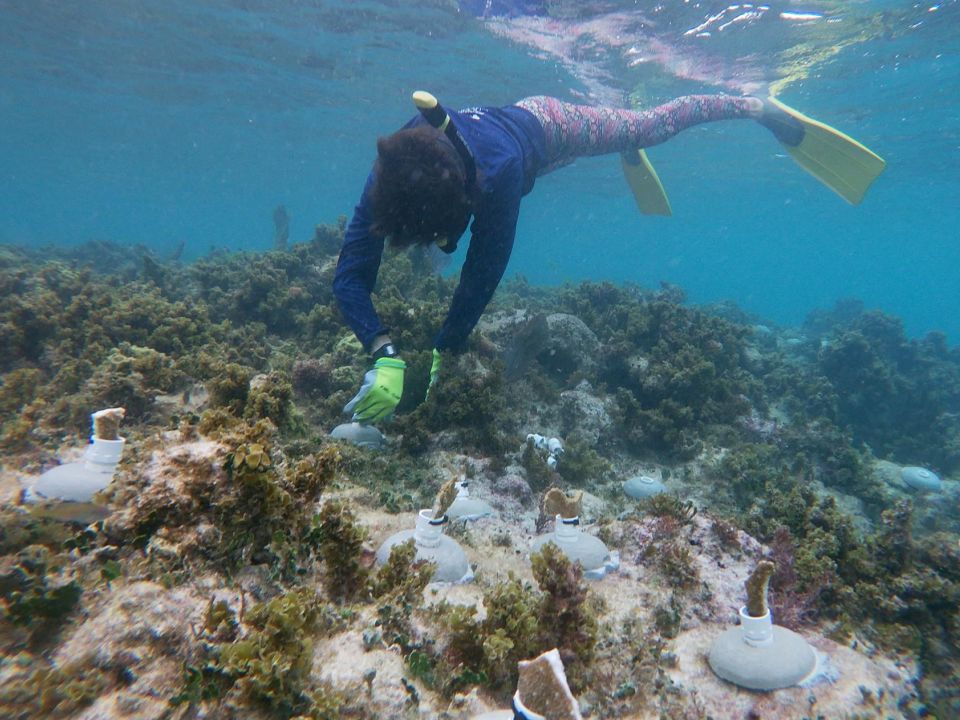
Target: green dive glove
{"x": 435, "y": 367}
{"x": 381, "y": 391}
{"x": 434, "y": 372}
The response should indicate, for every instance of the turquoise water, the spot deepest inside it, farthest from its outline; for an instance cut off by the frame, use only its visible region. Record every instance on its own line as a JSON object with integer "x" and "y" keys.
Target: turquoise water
{"x": 161, "y": 123}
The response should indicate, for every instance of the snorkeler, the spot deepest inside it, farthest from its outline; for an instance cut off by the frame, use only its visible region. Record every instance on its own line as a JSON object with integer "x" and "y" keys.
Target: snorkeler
{"x": 443, "y": 168}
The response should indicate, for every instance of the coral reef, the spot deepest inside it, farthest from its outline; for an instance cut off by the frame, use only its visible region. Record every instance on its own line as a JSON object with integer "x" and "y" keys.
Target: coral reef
{"x": 674, "y": 371}
{"x": 899, "y": 396}
{"x": 234, "y": 578}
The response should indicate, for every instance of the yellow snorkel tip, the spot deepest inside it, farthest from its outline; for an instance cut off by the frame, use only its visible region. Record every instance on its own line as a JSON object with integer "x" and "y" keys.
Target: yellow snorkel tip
{"x": 430, "y": 108}
{"x": 424, "y": 100}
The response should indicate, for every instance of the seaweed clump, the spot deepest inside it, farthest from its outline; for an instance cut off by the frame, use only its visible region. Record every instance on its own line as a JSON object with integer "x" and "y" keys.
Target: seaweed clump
{"x": 268, "y": 665}
{"x": 900, "y": 592}
{"x": 339, "y": 540}
{"x": 235, "y": 503}
{"x": 467, "y": 400}
{"x": 398, "y": 589}
{"x": 521, "y": 623}
{"x": 674, "y": 371}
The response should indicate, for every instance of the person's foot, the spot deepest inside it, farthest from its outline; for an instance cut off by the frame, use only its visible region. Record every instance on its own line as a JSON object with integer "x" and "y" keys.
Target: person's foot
{"x": 786, "y": 128}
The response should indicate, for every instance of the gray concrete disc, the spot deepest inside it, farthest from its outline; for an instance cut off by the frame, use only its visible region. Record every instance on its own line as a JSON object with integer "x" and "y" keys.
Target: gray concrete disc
{"x": 787, "y": 661}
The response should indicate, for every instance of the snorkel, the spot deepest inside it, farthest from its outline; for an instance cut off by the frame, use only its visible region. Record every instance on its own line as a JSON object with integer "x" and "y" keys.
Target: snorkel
{"x": 435, "y": 114}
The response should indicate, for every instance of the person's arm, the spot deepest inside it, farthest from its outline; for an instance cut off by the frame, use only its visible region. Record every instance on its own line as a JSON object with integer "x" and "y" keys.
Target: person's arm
{"x": 491, "y": 243}
{"x": 356, "y": 276}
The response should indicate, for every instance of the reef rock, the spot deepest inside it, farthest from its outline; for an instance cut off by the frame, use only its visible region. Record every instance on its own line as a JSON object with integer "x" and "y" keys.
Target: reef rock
{"x": 171, "y": 483}
{"x": 585, "y": 413}
{"x": 344, "y": 663}
{"x": 142, "y": 633}
{"x": 571, "y": 346}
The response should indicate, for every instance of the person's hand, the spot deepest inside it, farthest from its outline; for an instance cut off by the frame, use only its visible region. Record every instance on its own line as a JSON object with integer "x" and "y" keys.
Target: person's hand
{"x": 381, "y": 391}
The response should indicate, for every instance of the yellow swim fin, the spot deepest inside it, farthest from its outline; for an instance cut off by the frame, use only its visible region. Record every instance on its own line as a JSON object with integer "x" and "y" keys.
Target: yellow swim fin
{"x": 835, "y": 159}
{"x": 646, "y": 186}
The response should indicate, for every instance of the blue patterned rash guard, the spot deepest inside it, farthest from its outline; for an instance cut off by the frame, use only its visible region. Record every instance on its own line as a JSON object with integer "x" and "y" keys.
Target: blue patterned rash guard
{"x": 508, "y": 146}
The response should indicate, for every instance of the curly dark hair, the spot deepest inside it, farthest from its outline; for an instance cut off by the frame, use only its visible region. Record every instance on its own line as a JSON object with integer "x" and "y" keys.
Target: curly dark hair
{"x": 419, "y": 190}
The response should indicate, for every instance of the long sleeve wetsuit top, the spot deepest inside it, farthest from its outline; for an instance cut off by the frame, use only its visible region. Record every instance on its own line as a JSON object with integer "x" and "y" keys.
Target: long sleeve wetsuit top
{"x": 511, "y": 147}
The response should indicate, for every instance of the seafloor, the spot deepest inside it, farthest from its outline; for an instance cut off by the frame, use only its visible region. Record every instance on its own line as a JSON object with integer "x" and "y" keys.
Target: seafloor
{"x": 233, "y": 576}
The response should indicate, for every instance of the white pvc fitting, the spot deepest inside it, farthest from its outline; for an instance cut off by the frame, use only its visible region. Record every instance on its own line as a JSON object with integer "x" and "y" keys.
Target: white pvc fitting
{"x": 103, "y": 455}
{"x": 428, "y": 530}
{"x": 538, "y": 441}
{"x": 756, "y": 631}
{"x": 555, "y": 446}
{"x": 566, "y": 532}
{"x": 552, "y": 462}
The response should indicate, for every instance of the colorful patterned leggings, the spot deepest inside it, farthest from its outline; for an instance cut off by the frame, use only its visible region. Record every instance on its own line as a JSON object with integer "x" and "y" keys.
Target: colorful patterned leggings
{"x": 576, "y": 130}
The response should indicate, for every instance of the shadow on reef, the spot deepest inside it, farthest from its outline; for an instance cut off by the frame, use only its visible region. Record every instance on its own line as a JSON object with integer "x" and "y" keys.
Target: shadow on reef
{"x": 234, "y": 368}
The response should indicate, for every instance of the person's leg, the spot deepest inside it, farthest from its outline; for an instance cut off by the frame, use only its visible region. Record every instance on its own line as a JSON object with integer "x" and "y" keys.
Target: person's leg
{"x": 576, "y": 130}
